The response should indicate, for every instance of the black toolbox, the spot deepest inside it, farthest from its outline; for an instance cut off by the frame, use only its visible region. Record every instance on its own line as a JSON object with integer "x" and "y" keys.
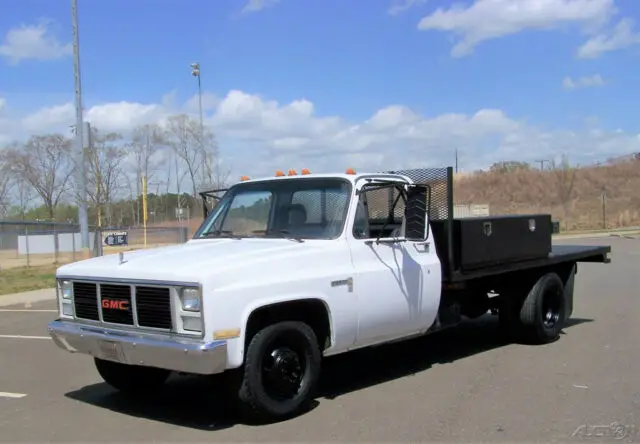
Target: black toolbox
{"x": 480, "y": 242}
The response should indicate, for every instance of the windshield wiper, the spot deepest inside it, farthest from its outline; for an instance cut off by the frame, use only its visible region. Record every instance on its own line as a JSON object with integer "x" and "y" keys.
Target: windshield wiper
{"x": 221, "y": 233}
{"x": 287, "y": 234}
{"x": 284, "y": 234}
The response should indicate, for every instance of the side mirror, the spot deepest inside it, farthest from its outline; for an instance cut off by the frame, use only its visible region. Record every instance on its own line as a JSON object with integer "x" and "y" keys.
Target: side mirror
{"x": 416, "y": 212}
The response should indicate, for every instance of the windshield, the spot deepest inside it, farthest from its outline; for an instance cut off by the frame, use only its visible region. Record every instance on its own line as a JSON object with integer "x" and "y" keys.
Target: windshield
{"x": 301, "y": 208}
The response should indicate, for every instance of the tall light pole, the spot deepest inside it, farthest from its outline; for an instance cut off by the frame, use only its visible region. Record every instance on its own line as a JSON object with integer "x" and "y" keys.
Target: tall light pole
{"x": 195, "y": 71}
{"x": 81, "y": 192}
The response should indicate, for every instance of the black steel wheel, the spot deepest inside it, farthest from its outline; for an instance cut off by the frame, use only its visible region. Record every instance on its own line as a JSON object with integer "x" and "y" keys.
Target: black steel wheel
{"x": 281, "y": 370}
{"x": 542, "y": 315}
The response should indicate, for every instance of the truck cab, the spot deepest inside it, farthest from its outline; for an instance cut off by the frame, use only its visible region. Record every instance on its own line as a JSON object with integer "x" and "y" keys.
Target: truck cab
{"x": 330, "y": 239}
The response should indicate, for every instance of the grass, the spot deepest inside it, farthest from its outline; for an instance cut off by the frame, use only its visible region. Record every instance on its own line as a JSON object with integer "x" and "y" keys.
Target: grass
{"x": 20, "y": 279}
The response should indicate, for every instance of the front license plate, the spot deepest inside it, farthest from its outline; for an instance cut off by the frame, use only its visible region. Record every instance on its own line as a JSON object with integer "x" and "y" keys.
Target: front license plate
{"x": 111, "y": 351}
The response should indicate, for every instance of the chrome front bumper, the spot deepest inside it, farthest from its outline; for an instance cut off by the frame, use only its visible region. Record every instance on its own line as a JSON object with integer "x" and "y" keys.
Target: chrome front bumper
{"x": 152, "y": 350}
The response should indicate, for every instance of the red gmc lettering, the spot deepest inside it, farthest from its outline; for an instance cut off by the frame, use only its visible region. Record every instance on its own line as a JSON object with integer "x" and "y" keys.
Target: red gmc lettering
{"x": 115, "y": 305}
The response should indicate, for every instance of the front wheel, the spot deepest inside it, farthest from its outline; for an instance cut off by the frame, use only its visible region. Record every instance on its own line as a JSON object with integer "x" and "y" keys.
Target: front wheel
{"x": 131, "y": 379}
{"x": 281, "y": 371}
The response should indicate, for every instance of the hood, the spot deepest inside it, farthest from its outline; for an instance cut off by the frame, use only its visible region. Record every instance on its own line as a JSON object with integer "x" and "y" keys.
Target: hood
{"x": 192, "y": 261}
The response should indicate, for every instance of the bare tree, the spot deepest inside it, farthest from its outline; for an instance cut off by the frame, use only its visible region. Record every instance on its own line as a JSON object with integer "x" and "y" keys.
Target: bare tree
{"x": 23, "y": 195}
{"x": 104, "y": 170}
{"x": 147, "y": 141}
{"x": 183, "y": 136}
{"x": 44, "y": 162}
{"x": 565, "y": 177}
{"x": 211, "y": 176}
{"x": 6, "y": 183}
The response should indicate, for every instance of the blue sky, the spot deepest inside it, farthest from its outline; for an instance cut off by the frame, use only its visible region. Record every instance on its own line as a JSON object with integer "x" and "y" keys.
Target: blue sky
{"x": 350, "y": 59}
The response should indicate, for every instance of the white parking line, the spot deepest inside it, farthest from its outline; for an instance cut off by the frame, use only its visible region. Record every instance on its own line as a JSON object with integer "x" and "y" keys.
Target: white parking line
{"x": 23, "y": 337}
{"x": 12, "y": 395}
{"x": 6, "y": 310}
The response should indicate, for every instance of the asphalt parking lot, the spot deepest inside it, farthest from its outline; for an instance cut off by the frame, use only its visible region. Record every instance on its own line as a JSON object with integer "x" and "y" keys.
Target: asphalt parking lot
{"x": 461, "y": 385}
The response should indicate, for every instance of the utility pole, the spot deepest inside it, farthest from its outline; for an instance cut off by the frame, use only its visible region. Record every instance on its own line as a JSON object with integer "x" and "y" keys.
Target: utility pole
{"x": 604, "y": 208}
{"x": 456, "y": 160}
{"x": 81, "y": 192}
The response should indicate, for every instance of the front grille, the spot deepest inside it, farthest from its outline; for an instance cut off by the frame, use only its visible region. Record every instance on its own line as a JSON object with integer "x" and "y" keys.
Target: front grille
{"x": 151, "y": 309}
{"x": 154, "y": 307}
{"x": 116, "y": 304}
{"x": 85, "y": 298}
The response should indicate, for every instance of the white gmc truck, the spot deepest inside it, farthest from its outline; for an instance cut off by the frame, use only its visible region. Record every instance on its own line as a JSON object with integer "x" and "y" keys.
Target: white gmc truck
{"x": 287, "y": 270}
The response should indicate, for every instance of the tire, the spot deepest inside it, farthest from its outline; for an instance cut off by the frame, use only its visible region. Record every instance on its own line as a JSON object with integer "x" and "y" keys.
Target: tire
{"x": 543, "y": 313}
{"x": 294, "y": 346}
{"x": 131, "y": 379}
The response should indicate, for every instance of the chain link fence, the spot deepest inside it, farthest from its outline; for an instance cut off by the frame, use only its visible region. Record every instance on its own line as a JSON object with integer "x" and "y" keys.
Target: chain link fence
{"x": 38, "y": 243}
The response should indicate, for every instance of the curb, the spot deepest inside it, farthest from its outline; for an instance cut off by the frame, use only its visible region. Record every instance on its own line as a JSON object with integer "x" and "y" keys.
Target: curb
{"x": 28, "y": 298}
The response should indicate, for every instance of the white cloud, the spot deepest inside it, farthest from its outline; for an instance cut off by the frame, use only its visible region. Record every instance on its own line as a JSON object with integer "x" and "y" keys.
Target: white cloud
{"x": 399, "y": 6}
{"x": 621, "y": 36}
{"x": 484, "y": 20}
{"x": 583, "y": 82}
{"x": 33, "y": 42}
{"x": 258, "y": 5}
{"x": 258, "y": 136}
{"x": 209, "y": 103}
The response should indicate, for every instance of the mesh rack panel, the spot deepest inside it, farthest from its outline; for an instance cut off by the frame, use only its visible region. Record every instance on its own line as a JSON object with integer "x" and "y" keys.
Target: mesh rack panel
{"x": 440, "y": 181}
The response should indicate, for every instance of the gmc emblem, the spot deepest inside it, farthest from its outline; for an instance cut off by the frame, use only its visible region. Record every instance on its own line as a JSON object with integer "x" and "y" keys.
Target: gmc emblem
{"x": 111, "y": 304}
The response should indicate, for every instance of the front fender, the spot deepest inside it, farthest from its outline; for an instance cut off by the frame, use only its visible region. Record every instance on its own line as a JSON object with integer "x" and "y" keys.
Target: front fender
{"x": 236, "y": 346}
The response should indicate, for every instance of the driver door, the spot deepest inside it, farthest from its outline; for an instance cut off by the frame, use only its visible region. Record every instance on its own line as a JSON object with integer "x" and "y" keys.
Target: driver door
{"x": 397, "y": 282}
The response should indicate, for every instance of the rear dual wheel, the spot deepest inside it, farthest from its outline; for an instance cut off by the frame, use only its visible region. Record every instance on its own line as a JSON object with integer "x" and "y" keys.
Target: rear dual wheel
{"x": 540, "y": 316}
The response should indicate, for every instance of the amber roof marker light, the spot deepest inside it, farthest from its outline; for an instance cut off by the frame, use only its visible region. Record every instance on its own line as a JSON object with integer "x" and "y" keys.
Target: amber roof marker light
{"x": 305, "y": 171}
{"x": 279, "y": 173}
{"x": 351, "y": 171}
{"x": 243, "y": 178}
{"x": 292, "y": 172}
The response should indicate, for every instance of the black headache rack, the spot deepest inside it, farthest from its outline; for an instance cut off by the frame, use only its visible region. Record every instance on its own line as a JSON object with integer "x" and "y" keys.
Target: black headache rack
{"x": 476, "y": 247}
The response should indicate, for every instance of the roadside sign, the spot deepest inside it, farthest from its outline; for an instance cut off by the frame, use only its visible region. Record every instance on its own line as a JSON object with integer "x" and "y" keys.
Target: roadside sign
{"x": 115, "y": 238}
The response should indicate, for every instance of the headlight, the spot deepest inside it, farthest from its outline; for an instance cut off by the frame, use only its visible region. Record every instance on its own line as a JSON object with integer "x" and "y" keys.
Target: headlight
{"x": 66, "y": 287}
{"x": 190, "y": 298}
{"x": 66, "y": 298}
